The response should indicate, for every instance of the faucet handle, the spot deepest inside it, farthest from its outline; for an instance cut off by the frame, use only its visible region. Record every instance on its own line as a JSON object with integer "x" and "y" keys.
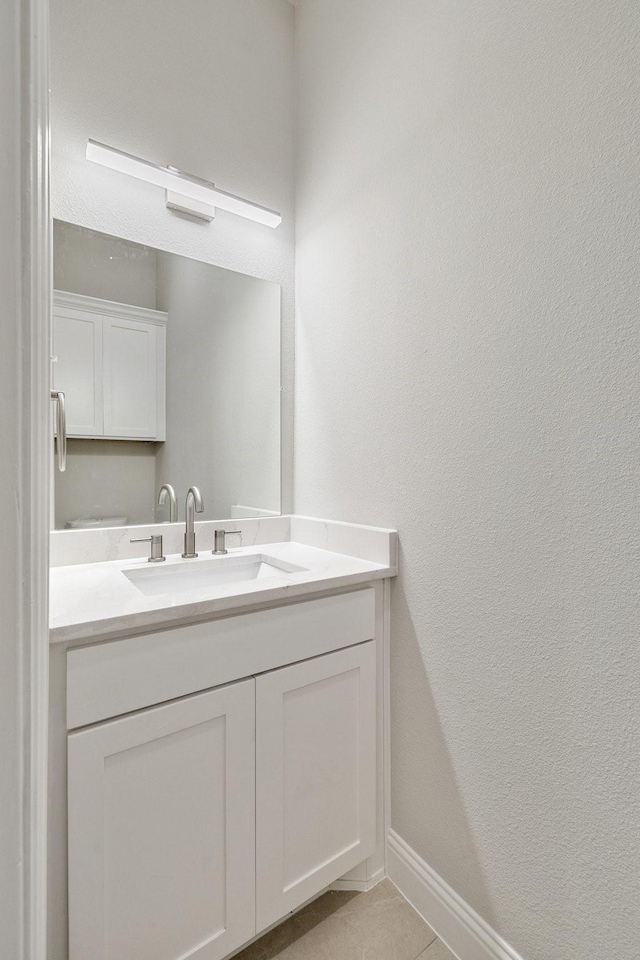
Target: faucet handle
{"x": 219, "y": 546}
{"x": 156, "y": 547}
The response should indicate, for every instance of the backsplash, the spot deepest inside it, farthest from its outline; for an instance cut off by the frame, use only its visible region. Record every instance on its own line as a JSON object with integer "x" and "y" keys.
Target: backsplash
{"x": 68, "y": 547}
{"x": 377, "y": 545}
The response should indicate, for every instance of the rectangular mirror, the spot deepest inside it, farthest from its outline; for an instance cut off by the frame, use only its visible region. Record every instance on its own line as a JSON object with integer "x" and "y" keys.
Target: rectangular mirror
{"x": 171, "y": 370}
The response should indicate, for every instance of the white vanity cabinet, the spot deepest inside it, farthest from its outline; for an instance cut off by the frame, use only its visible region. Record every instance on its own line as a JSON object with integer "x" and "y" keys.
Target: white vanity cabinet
{"x": 110, "y": 361}
{"x": 161, "y": 831}
{"x": 195, "y": 824}
{"x": 315, "y": 776}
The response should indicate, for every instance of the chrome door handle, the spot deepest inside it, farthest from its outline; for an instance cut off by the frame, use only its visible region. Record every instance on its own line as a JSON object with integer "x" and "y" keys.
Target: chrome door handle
{"x": 61, "y": 429}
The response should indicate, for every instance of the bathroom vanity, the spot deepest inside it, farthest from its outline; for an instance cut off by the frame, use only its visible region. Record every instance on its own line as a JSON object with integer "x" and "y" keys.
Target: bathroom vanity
{"x": 217, "y": 733}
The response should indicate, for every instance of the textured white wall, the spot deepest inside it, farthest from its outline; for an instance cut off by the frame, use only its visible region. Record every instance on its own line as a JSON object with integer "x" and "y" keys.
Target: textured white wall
{"x": 206, "y": 86}
{"x": 467, "y": 369}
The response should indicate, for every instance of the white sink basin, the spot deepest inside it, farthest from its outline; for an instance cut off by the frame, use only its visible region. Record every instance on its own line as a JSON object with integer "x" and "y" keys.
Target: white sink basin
{"x": 190, "y": 575}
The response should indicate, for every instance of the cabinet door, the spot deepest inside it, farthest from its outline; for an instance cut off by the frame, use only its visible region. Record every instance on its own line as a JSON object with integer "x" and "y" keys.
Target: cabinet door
{"x": 162, "y": 831}
{"x": 77, "y": 345}
{"x": 315, "y": 776}
{"x": 130, "y": 378}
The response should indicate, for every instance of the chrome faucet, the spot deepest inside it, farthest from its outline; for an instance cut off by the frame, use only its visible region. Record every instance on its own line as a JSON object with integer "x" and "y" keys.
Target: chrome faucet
{"x": 166, "y": 490}
{"x": 194, "y": 505}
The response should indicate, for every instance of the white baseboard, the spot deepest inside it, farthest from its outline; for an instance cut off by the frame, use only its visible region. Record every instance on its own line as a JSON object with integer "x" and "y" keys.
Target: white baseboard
{"x": 464, "y": 931}
{"x": 362, "y": 886}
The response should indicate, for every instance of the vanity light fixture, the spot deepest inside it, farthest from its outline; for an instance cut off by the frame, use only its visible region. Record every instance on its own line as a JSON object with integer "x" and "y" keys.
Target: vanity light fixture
{"x": 198, "y": 198}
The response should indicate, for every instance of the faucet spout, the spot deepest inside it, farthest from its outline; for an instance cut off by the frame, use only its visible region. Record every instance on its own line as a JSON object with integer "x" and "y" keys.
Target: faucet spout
{"x": 194, "y": 505}
{"x": 166, "y": 490}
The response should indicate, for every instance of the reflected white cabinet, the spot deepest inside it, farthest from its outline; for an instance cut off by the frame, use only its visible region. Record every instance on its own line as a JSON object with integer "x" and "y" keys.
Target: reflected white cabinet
{"x": 315, "y": 776}
{"x": 77, "y": 370}
{"x": 111, "y": 364}
{"x": 130, "y": 391}
{"x": 162, "y": 831}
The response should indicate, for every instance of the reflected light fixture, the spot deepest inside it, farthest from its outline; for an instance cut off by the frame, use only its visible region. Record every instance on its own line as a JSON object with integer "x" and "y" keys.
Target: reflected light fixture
{"x": 199, "y": 198}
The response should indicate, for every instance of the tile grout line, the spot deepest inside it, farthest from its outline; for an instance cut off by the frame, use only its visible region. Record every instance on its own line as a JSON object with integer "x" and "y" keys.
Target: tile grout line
{"x": 423, "y": 952}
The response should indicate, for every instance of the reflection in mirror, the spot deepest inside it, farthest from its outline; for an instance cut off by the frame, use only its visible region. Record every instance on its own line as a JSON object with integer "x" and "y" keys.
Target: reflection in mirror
{"x": 171, "y": 368}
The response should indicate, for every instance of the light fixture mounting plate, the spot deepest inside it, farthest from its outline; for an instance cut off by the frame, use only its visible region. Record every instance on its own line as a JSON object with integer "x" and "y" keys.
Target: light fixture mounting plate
{"x": 193, "y": 208}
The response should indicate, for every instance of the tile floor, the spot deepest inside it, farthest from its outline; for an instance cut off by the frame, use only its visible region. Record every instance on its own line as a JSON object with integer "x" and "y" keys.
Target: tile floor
{"x": 378, "y": 925}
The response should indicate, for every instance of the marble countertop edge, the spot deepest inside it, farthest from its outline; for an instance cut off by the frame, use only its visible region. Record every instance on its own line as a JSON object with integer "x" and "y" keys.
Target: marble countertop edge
{"x": 95, "y": 602}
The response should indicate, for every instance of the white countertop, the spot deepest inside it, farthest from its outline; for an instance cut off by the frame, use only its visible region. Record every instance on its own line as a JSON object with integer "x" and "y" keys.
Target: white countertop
{"x": 96, "y": 600}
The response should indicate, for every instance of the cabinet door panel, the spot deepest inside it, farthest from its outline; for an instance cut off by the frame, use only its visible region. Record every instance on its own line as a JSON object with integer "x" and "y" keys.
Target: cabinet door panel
{"x": 130, "y": 378}
{"x": 315, "y": 776}
{"x": 77, "y": 345}
{"x": 161, "y": 831}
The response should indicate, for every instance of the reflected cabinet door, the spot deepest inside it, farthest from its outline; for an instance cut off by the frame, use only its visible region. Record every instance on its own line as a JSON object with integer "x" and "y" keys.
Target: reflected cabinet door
{"x": 130, "y": 379}
{"x": 161, "y": 831}
{"x": 77, "y": 370}
{"x": 315, "y": 776}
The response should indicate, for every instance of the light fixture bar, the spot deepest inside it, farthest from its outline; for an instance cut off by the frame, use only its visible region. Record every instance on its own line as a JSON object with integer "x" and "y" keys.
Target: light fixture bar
{"x": 203, "y": 191}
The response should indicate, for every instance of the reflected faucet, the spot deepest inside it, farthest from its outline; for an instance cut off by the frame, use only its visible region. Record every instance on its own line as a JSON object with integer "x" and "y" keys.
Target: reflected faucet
{"x": 194, "y": 505}
{"x": 166, "y": 490}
